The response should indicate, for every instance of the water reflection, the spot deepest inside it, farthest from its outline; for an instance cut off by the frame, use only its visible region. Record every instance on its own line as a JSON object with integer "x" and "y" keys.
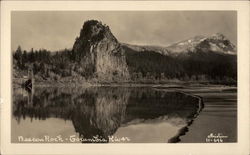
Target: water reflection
{"x": 108, "y": 111}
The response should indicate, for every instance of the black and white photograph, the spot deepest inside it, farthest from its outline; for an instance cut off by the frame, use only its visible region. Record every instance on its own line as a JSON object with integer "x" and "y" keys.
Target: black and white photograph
{"x": 116, "y": 77}
{"x": 103, "y": 77}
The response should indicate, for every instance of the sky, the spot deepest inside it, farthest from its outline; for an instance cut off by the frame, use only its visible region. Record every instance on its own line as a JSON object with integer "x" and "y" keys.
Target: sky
{"x": 56, "y": 30}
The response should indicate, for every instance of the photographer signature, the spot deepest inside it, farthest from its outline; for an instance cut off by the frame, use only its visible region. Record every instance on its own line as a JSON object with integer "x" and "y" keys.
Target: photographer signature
{"x": 216, "y": 138}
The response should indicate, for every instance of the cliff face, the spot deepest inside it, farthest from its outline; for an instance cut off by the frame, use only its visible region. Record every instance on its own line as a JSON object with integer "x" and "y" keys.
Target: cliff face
{"x": 100, "y": 54}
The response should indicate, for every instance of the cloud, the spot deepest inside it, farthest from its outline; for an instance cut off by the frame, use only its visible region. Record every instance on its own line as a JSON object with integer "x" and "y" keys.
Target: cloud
{"x": 55, "y": 30}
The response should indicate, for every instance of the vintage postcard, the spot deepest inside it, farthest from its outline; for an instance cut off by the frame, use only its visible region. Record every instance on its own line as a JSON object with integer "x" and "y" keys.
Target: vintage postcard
{"x": 134, "y": 77}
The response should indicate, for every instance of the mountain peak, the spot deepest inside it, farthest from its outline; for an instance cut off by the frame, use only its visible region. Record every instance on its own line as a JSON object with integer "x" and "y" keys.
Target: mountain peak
{"x": 218, "y": 36}
{"x": 95, "y": 31}
{"x": 215, "y": 43}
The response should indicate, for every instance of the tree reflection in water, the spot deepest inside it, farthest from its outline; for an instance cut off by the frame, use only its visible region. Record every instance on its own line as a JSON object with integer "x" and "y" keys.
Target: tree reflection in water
{"x": 102, "y": 110}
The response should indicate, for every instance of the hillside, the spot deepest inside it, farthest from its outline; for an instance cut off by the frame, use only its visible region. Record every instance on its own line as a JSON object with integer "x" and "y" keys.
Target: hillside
{"x": 97, "y": 56}
{"x": 200, "y": 58}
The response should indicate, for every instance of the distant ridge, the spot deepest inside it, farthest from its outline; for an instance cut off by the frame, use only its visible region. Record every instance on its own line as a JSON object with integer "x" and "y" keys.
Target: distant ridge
{"x": 216, "y": 43}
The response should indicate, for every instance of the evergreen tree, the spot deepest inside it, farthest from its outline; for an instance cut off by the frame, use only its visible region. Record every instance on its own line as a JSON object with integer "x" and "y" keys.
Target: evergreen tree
{"x": 18, "y": 56}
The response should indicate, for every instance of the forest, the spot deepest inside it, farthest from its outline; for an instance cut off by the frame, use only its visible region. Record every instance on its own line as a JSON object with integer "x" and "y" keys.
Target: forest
{"x": 199, "y": 66}
{"x": 45, "y": 64}
{"x": 144, "y": 66}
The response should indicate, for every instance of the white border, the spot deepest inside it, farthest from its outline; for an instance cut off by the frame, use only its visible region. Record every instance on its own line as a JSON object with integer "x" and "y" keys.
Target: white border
{"x": 241, "y": 147}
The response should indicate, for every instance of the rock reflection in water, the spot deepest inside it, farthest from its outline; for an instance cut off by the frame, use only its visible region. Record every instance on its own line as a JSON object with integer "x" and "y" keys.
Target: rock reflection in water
{"x": 107, "y": 111}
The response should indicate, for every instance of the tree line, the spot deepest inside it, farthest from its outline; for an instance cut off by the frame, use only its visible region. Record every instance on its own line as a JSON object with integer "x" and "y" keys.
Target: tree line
{"x": 148, "y": 65}
{"x": 195, "y": 66}
{"x": 45, "y": 63}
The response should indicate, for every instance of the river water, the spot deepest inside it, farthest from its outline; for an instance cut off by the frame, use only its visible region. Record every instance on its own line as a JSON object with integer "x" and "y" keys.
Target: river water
{"x": 104, "y": 115}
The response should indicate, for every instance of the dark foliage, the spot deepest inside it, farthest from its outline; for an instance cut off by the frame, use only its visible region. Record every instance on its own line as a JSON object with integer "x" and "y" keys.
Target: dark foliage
{"x": 45, "y": 62}
{"x": 150, "y": 63}
{"x": 210, "y": 66}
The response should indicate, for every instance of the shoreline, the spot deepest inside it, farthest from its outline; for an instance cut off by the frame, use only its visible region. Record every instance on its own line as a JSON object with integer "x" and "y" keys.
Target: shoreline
{"x": 220, "y": 107}
{"x": 185, "y": 129}
{"x": 170, "y": 84}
